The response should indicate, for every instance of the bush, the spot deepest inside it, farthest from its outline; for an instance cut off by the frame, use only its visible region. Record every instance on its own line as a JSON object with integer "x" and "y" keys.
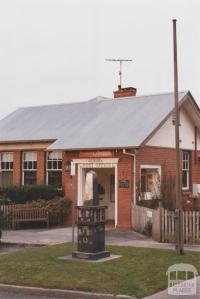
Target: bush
{"x": 150, "y": 203}
{"x": 55, "y": 206}
{"x": 4, "y": 201}
{"x": 167, "y": 195}
{"x": 148, "y": 229}
{"x": 3, "y": 219}
{"x": 23, "y": 194}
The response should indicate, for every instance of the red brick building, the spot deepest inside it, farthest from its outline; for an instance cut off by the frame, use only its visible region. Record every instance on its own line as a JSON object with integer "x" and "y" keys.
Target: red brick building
{"x": 128, "y": 140}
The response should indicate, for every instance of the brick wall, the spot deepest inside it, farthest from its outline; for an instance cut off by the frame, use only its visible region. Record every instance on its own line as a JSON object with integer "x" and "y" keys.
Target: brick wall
{"x": 146, "y": 155}
{"x": 69, "y": 183}
{"x": 125, "y": 169}
{"x": 17, "y": 168}
{"x": 125, "y": 195}
{"x": 41, "y": 169}
{"x": 167, "y": 159}
{"x": 156, "y": 156}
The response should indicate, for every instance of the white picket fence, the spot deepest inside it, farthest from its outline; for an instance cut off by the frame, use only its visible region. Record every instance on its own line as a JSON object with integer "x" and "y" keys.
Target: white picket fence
{"x": 191, "y": 226}
{"x": 163, "y": 224}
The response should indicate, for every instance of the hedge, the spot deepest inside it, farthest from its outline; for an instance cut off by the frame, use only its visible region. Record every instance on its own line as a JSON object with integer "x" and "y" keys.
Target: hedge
{"x": 28, "y": 193}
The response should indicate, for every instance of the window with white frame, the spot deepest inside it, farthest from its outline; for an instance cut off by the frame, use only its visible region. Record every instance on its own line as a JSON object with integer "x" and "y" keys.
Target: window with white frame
{"x": 6, "y": 169}
{"x": 186, "y": 170}
{"x": 29, "y": 168}
{"x": 54, "y": 169}
{"x": 150, "y": 181}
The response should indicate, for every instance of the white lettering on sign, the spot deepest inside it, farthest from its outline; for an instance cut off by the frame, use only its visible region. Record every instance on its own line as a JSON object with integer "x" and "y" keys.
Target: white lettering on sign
{"x": 91, "y": 160}
{"x": 96, "y": 154}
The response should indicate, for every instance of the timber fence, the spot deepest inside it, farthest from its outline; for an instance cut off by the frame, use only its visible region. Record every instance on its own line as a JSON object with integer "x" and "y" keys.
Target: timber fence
{"x": 162, "y": 222}
{"x": 17, "y": 214}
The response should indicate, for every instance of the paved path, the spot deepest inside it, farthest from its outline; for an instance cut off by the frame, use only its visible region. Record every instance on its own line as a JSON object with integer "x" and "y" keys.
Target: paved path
{"x": 4, "y": 295}
{"x": 38, "y": 236}
{"x": 63, "y": 235}
{"x": 164, "y": 294}
{"x": 131, "y": 238}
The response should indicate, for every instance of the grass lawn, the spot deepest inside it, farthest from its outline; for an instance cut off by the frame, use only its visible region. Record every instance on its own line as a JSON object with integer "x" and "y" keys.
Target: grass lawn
{"x": 139, "y": 272}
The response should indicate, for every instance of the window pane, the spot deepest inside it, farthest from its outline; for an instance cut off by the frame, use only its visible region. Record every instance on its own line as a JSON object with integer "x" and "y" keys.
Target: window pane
{"x": 30, "y": 177}
{"x": 55, "y": 178}
{"x": 49, "y": 165}
{"x": 34, "y": 156}
{"x": 29, "y": 163}
{"x": 55, "y": 165}
{"x": 54, "y": 155}
{"x": 7, "y": 157}
{"x": 7, "y": 165}
{"x": 26, "y": 156}
{"x": 186, "y": 170}
{"x": 30, "y": 156}
{"x": 150, "y": 186}
{"x": 143, "y": 183}
{"x": 60, "y": 155}
{"x": 54, "y": 160}
{"x": 185, "y": 179}
{"x": 59, "y": 164}
{"x": 150, "y": 180}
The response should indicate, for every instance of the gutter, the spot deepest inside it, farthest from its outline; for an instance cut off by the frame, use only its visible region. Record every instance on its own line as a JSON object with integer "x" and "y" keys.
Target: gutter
{"x": 134, "y": 174}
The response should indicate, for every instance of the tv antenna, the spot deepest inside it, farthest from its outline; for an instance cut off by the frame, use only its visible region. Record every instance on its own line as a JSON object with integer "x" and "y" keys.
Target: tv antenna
{"x": 120, "y": 67}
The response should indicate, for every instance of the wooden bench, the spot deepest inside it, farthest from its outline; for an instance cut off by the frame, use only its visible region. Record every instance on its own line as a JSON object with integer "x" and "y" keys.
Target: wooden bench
{"x": 28, "y": 213}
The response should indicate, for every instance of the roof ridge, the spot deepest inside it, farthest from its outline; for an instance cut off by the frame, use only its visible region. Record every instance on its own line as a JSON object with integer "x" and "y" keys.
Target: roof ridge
{"x": 154, "y": 94}
{"x": 62, "y": 104}
{"x": 101, "y": 98}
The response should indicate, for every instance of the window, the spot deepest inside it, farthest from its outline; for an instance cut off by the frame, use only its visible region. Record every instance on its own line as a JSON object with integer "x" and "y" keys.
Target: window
{"x": 6, "y": 169}
{"x": 150, "y": 181}
{"x": 29, "y": 174}
{"x": 54, "y": 169}
{"x": 186, "y": 170}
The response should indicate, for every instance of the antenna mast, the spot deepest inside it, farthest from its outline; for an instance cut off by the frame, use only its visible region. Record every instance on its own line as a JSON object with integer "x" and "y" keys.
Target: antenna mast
{"x": 120, "y": 67}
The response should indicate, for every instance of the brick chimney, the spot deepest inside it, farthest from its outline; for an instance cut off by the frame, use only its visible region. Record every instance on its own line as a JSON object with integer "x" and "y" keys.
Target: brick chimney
{"x": 125, "y": 92}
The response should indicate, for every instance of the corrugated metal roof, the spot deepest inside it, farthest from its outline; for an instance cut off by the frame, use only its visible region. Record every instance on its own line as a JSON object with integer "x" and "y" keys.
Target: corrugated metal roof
{"x": 98, "y": 123}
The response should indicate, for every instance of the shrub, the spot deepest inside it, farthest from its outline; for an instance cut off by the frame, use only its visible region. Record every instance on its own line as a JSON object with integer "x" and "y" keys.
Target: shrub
{"x": 55, "y": 206}
{"x": 28, "y": 193}
{"x": 151, "y": 203}
{"x": 148, "y": 229}
{"x": 168, "y": 192}
{"x": 166, "y": 196}
{"x": 2, "y": 219}
{"x": 4, "y": 201}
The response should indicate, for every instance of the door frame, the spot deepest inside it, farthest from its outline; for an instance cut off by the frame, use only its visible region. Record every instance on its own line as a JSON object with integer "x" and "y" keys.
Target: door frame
{"x": 96, "y": 163}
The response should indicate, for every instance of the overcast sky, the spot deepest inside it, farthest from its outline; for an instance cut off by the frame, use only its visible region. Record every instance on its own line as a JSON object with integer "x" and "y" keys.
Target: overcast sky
{"x": 54, "y": 51}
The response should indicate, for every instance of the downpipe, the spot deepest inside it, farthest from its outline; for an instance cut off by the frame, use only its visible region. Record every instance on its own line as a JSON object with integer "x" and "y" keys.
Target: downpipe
{"x": 134, "y": 174}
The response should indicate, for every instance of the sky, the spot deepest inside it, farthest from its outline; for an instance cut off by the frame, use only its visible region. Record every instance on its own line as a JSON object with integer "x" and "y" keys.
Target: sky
{"x": 54, "y": 51}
